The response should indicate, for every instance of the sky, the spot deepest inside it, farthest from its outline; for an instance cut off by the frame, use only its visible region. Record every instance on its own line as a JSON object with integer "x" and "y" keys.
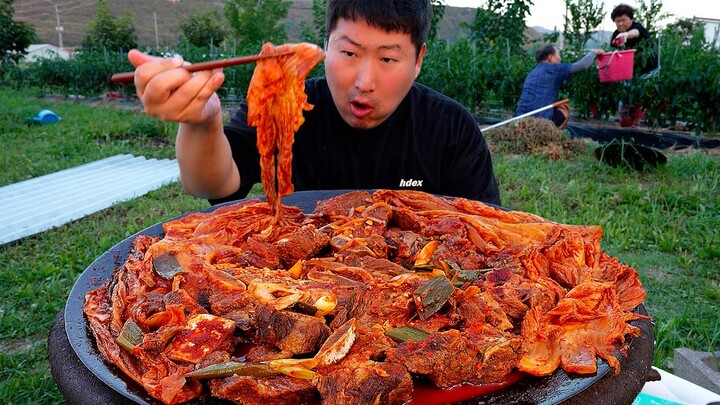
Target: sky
{"x": 550, "y": 13}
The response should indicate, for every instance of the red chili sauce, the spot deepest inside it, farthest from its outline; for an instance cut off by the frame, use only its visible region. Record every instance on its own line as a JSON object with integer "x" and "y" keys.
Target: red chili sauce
{"x": 428, "y": 394}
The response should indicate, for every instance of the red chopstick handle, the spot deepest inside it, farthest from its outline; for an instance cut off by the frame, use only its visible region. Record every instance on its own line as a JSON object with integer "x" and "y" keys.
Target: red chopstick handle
{"x": 125, "y": 77}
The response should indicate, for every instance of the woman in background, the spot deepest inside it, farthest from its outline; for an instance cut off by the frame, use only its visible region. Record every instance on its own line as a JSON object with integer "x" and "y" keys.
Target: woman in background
{"x": 630, "y": 34}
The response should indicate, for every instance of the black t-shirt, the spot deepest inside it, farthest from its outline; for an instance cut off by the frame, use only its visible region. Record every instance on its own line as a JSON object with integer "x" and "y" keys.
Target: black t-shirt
{"x": 430, "y": 143}
{"x": 646, "y": 57}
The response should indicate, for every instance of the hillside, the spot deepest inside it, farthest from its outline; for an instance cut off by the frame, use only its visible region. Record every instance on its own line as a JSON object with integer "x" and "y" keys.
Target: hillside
{"x": 75, "y": 15}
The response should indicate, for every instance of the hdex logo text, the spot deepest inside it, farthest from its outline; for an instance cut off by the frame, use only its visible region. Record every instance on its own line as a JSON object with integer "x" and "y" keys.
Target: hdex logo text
{"x": 410, "y": 183}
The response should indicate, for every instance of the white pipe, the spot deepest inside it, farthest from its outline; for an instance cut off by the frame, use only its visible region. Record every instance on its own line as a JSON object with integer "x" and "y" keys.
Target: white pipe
{"x": 555, "y": 104}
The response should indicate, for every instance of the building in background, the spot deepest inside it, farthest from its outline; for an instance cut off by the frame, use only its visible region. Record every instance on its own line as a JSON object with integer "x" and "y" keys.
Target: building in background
{"x": 712, "y": 29}
{"x": 46, "y": 51}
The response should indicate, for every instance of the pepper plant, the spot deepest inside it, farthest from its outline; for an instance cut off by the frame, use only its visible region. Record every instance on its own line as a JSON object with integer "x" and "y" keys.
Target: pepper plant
{"x": 455, "y": 70}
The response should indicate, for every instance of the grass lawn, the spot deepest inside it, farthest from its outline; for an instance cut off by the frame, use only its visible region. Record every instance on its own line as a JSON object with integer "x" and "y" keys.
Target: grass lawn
{"x": 665, "y": 223}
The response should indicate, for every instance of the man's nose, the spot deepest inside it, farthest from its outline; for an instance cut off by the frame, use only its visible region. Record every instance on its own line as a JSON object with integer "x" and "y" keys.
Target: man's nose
{"x": 365, "y": 78}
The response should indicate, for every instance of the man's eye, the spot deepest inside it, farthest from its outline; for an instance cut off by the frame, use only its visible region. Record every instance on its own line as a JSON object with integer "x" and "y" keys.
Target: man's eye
{"x": 348, "y": 53}
{"x": 387, "y": 60}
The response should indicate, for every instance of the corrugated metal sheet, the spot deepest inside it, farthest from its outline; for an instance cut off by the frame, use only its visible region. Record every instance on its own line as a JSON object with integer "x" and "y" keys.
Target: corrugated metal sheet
{"x": 38, "y": 204}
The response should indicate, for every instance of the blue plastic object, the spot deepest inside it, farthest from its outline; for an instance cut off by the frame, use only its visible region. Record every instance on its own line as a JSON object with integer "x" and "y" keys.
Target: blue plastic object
{"x": 46, "y": 117}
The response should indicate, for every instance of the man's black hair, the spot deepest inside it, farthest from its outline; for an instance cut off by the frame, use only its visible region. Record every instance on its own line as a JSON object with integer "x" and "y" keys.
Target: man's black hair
{"x": 404, "y": 16}
{"x": 543, "y": 53}
{"x": 621, "y": 10}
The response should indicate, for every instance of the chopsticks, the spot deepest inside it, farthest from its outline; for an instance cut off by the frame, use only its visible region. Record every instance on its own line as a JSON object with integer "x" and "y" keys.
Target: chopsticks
{"x": 128, "y": 77}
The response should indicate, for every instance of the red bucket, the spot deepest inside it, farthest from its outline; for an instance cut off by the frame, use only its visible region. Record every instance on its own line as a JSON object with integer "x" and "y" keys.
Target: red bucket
{"x": 616, "y": 66}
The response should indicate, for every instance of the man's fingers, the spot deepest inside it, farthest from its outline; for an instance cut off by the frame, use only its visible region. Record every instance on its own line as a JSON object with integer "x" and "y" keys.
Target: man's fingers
{"x": 174, "y": 94}
{"x": 137, "y": 58}
{"x": 202, "y": 85}
{"x": 196, "y": 94}
{"x": 179, "y": 99}
{"x": 162, "y": 84}
{"x": 150, "y": 67}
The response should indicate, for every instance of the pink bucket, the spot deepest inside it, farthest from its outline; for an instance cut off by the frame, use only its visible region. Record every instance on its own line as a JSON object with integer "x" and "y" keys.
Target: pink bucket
{"x": 616, "y": 66}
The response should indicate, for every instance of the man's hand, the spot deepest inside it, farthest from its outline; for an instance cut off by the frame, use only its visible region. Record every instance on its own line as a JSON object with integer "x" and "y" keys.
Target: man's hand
{"x": 171, "y": 93}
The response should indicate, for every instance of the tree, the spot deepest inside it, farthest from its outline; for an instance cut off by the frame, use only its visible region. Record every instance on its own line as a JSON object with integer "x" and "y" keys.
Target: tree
{"x": 105, "y": 32}
{"x": 438, "y": 10}
{"x": 581, "y": 18}
{"x": 257, "y": 21}
{"x": 15, "y": 36}
{"x": 204, "y": 29}
{"x": 687, "y": 29}
{"x": 501, "y": 21}
{"x": 648, "y": 14}
{"x": 315, "y": 32}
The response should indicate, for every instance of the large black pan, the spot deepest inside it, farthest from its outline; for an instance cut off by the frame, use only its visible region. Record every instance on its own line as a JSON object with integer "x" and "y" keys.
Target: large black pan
{"x": 73, "y": 381}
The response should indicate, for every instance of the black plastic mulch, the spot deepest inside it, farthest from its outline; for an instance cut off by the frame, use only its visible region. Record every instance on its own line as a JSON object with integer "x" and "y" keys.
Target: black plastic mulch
{"x": 639, "y": 136}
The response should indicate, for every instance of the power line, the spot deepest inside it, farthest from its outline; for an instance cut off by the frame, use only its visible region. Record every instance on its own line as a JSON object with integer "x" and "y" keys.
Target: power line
{"x": 40, "y": 9}
{"x": 76, "y": 2}
{"x": 42, "y": 4}
{"x": 31, "y": 3}
{"x": 35, "y": 12}
{"x": 74, "y": 24}
{"x": 75, "y": 7}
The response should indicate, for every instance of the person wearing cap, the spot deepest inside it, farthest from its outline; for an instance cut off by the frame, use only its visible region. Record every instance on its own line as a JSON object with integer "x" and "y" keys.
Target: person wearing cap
{"x": 542, "y": 84}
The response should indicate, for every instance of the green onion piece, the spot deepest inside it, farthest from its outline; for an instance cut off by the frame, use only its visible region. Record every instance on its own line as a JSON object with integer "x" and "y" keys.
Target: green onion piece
{"x": 420, "y": 267}
{"x": 466, "y": 276}
{"x": 453, "y": 266}
{"x": 460, "y": 276}
{"x": 130, "y": 335}
{"x": 230, "y": 368}
{"x": 404, "y": 333}
{"x": 432, "y": 295}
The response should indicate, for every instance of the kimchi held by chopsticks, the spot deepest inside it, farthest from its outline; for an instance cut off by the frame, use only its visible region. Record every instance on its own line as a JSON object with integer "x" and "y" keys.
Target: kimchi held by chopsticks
{"x": 360, "y": 300}
{"x": 276, "y": 101}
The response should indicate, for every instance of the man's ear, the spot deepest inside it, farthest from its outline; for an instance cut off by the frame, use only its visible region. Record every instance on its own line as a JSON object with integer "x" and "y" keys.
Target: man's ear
{"x": 419, "y": 60}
